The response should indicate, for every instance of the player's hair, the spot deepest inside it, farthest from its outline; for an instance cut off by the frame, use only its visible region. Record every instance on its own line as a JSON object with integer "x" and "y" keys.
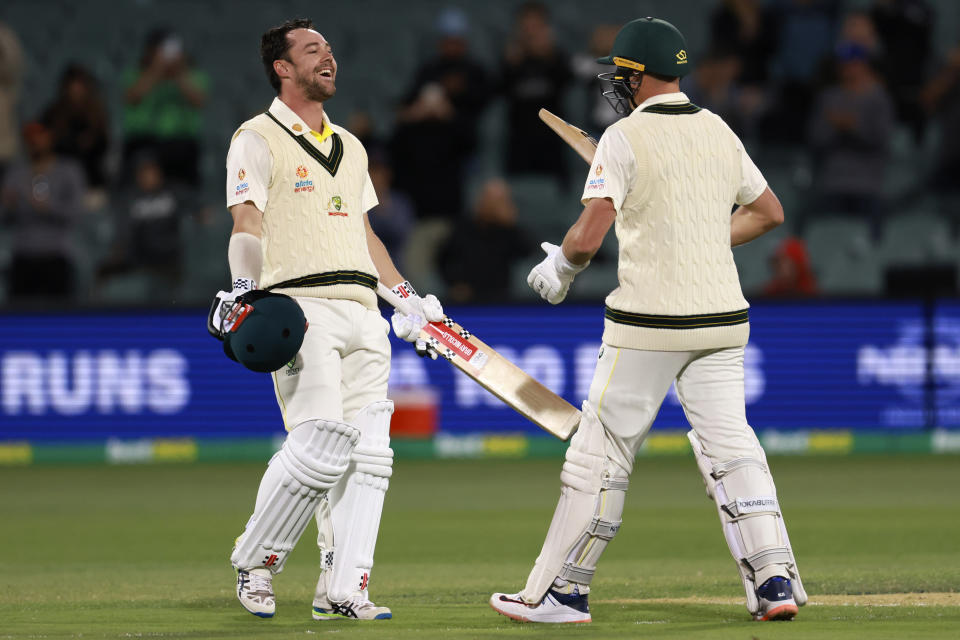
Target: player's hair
{"x": 274, "y": 45}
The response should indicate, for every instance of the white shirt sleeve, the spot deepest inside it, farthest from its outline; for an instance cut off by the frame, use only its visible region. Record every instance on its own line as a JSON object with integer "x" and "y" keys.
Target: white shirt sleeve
{"x": 752, "y": 182}
{"x": 613, "y": 171}
{"x": 369, "y": 195}
{"x": 249, "y": 167}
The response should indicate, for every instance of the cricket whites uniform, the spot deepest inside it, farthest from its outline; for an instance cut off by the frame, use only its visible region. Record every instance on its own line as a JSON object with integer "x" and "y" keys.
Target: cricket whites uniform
{"x": 673, "y": 172}
{"x": 313, "y": 189}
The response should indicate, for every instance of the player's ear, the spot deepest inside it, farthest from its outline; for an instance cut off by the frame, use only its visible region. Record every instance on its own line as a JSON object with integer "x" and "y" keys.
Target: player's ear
{"x": 281, "y": 68}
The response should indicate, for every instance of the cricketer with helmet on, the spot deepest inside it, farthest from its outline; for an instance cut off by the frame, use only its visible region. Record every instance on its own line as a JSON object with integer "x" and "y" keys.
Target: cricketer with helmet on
{"x": 667, "y": 175}
{"x": 299, "y": 193}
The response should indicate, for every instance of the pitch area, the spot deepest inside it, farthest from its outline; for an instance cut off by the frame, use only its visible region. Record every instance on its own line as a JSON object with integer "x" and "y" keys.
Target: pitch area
{"x": 111, "y": 552}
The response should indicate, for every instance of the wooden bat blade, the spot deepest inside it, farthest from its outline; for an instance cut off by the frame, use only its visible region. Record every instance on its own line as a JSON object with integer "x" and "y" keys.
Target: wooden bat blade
{"x": 578, "y": 139}
{"x": 502, "y": 378}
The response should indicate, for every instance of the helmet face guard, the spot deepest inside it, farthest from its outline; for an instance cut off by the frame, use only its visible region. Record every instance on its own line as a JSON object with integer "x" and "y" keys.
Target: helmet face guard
{"x": 620, "y": 93}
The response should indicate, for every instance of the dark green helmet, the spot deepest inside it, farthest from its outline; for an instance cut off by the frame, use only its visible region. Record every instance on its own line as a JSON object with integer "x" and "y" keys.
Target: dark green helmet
{"x": 269, "y": 333}
{"x": 650, "y": 44}
{"x": 647, "y": 45}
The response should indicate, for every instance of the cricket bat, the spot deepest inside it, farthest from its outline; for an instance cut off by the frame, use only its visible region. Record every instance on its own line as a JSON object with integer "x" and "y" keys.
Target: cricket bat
{"x": 577, "y": 138}
{"x": 514, "y": 386}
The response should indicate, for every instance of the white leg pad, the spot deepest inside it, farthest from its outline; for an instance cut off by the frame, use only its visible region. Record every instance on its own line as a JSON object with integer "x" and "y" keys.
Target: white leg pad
{"x": 355, "y": 513}
{"x": 753, "y": 527}
{"x": 587, "y": 517}
{"x": 313, "y": 458}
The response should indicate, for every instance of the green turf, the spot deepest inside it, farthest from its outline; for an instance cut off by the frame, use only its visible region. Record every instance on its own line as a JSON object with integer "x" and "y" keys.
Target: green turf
{"x": 116, "y": 552}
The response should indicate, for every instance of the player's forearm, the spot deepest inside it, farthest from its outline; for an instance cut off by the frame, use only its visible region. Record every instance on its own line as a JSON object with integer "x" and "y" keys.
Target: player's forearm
{"x": 245, "y": 251}
{"x": 755, "y": 219}
{"x": 585, "y": 237}
{"x": 389, "y": 275}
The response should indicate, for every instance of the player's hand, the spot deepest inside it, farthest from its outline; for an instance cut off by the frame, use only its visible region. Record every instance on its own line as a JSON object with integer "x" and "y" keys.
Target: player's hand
{"x": 413, "y": 314}
{"x": 222, "y": 314}
{"x": 552, "y": 277}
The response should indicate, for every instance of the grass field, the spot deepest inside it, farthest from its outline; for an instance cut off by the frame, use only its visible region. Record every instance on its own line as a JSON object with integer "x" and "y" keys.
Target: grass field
{"x": 122, "y": 552}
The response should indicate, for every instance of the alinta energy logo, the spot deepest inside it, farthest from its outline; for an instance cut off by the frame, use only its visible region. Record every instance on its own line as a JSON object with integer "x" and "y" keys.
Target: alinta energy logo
{"x": 302, "y": 185}
{"x": 903, "y": 366}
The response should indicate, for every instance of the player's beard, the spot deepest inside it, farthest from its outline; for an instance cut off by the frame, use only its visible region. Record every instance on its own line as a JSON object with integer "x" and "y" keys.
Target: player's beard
{"x": 312, "y": 89}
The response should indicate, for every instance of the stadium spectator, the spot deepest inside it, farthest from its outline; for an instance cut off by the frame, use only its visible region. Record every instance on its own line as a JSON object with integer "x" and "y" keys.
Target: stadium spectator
{"x": 905, "y": 28}
{"x": 80, "y": 124}
{"x": 436, "y": 133}
{"x": 792, "y": 275}
{"x": 41, "y": 201}
{"x": 941, "y": 98}
{"x": 599, "y": 115}
{"x": 850, "y": 133}
{"x": 147, "y": 239}
{"x": 805, "y": 37}
{"x": 164, "y": 107}
{"x": 11, "y": 68}
{"x": 392, "y": 219}
{"x": 747, "y": 29}
{"x": 535, "y": 73}
{"x": 714, "y": 86}
{"x": 478, "y": 258}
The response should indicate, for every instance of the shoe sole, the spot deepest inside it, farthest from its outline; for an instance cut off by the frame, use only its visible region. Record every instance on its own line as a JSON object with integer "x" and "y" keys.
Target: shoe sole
{"x": 783, "y": 612}
{"x": 519, "y": 618}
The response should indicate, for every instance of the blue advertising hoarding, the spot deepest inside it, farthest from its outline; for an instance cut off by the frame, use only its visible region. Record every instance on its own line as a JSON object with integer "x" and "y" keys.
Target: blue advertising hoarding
{"x": 92, "y": 376}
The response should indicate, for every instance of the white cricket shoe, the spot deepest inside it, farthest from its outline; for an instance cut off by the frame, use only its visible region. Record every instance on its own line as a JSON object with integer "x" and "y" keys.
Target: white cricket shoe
{"x": 356, "y": 607}
{"x": 255, "y": 592}
{"x": 554, "y": 608}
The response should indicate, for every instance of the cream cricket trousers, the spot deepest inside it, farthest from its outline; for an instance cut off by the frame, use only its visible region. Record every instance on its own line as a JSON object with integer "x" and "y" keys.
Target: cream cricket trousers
{"x": 342, "y": 366}
{"x": 629, "y": 386}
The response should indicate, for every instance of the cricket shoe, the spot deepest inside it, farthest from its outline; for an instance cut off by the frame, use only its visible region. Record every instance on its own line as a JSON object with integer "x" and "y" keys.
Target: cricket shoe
{"x": 356, "y": 607}
{"x": 255, "y": 592}
{"x": 555, "y": 607}
{"x": 776, "y": 600}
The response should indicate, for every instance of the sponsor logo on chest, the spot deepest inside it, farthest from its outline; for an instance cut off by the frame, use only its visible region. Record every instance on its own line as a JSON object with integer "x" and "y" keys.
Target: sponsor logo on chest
{"x": 303, "y": 184}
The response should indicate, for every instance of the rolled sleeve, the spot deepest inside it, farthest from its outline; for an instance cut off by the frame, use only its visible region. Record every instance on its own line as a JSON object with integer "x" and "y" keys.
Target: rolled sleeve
{"x": 752, "y": 182}
{"x": 613, "y": 170}
{"x": 249, "y": 166}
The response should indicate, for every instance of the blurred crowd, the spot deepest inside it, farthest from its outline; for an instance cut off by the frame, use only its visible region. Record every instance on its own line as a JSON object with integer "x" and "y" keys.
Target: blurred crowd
{"x": 789, "y": 76}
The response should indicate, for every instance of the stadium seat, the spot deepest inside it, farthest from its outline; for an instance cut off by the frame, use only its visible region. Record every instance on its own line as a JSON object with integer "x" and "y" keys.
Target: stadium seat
{"x": 843, "y": 256}
{"x": 913, "y": 239}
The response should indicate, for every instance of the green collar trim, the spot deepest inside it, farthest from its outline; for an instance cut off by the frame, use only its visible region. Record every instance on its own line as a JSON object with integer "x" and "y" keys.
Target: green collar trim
{"x": 330, "y": 162}
{"x": 668, "y": 109}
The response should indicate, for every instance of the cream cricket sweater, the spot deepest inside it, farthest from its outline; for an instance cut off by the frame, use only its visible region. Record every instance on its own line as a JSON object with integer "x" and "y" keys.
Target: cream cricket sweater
{"x": 314, "y": 238}
{"x": 679, "y": 288}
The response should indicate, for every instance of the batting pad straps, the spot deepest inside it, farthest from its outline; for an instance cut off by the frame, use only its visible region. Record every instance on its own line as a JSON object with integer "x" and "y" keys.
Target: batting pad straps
{"x": 313, "y": 458}
{"x": 750, "y": 517}
{"x": 356, "y": 512}
{"x": 587, "y": 516}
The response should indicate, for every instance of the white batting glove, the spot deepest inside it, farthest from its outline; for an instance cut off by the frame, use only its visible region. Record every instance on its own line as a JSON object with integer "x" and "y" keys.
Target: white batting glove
{"x": 220, "y": 320}
{"x": 552, "y": 277}
{"x": 413, "y": 312}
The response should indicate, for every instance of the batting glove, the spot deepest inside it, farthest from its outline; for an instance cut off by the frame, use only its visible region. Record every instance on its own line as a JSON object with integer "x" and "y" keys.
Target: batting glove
{"x": 222, "y": 315}
{"x": 552, "y": 277}
{"x": 413, "y": 312}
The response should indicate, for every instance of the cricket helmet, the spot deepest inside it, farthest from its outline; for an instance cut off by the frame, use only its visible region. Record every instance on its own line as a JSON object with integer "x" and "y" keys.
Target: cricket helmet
{"x": 641, "y": 46}
{"x": 266, "y": 332}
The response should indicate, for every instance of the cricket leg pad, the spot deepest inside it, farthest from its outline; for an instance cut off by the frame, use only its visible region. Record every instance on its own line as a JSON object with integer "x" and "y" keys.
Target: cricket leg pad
{"x": 355, "y": 514}
{"x": 746, "y": 500}
{"x": 587, "y": 517}
{"x": 313, "y": 458}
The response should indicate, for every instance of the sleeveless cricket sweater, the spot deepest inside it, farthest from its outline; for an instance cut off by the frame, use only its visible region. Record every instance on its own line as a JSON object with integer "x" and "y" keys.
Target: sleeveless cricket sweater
{"x": 678, "y": 284}
{"x": 313, "y": 236}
